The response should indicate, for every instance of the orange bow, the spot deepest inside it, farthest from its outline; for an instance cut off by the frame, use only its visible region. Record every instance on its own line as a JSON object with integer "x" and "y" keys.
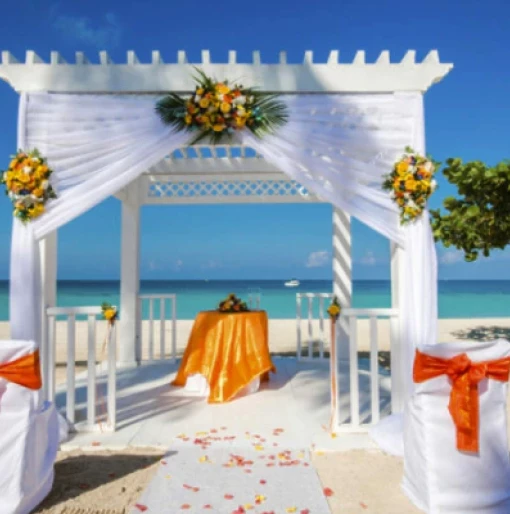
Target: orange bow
{"x": 465, "y": 376}
{"x": 24, "y": 371}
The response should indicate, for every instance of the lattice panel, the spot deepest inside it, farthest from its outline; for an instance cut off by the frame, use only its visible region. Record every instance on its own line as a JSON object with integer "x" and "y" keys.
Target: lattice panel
{"x": 231, "y": 190}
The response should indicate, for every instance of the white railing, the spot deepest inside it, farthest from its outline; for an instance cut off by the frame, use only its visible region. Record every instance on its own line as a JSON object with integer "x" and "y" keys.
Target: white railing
{"x": 315, "y": 321}
{"x": 373, "y": 416}
{"x": 151, "y": 324}
{"x": 49, "y": 367}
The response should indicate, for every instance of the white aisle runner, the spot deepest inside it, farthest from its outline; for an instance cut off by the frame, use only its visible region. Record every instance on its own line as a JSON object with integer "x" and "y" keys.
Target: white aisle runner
{"x": 216, "y": 472}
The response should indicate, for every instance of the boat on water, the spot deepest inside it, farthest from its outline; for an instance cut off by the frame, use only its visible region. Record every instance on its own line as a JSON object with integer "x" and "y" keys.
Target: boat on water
{"x": 292, "y": 283}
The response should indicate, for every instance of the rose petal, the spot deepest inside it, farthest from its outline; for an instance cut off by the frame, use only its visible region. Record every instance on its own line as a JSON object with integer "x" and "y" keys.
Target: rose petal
{"x": 140, "y": 507}
{"x": 328, "y": 492}
{"x": 229, "y": 497}
{"x": 263, "y": 482}
{"x": 363, "y": 505}
{"x": 185, "y": 506}
{"x": 208, "y": 506}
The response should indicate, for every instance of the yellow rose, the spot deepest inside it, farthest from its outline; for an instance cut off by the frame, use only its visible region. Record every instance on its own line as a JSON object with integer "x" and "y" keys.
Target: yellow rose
{"x": 36, "y": 210}
{"x": 218, "y": 127}
{"x": 200, "y": 91}
{"x": 109, "y": 314}
{"x": 188, "y": 119}
{"x": 334, "y": 310}
{"x": 411, "y": 184}
{"x": 402, "y": 167}
{"x": 39, "y": 192}
{"x": 13, "y": 164}
{"x": 204, "y": 103}
{"x": 24, "y": 178}
{"x": 240, "y": 122}
{"x": 222, "y": 89}
{"x": 225, "y": 107}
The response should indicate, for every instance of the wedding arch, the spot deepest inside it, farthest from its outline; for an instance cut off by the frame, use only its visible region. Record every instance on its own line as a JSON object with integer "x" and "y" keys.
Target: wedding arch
{"x": 348, "y": 122}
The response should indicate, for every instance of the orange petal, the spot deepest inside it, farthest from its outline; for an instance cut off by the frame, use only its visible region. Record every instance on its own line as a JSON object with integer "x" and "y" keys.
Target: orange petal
{"x": 185, "y": 506}
{"x": 328, "y": 492}
{"x": 228, "y": 496}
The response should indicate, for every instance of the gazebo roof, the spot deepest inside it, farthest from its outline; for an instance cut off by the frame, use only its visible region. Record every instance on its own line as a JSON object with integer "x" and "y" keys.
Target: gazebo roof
{"x": 156, "y": 76}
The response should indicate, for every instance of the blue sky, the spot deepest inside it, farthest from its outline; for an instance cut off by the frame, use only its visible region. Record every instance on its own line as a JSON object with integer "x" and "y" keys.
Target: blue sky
{"x": 466, "y": 116}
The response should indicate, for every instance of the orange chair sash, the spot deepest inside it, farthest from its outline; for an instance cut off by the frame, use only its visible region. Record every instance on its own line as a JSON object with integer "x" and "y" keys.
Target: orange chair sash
{"x": 464, "y": 401}
{"x": 25, "y": 371}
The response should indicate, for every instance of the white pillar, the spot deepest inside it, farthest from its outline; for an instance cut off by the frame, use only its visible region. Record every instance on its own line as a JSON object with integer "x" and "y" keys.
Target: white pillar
{"x": 48, "y": 260}
{"x": 129, "y": 280}
{"x": 342, "y": 275}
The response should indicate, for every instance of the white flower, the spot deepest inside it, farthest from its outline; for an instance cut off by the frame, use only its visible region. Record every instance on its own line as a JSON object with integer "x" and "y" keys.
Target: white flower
{"x": 411, "y": 169}
{"x": 45, "y": 184}
{"x": 36, "y": 160}
{"x": 27, "y": 170}
{"x": 392, "y": 194}
{"x": 433, "y": 185}
{"x": 240, "y": 100}
{"x": 220, "y": 97}
{"x": 197, "y": 98}
{"x": 429, "y": 166}
{"x": 411, "y": 204}
{"x": 5, "y": 175}
{"x": 407, "y": 196}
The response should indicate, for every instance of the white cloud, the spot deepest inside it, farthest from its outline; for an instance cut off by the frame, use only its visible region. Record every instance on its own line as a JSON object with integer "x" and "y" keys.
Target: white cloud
{"x": 317, "y": 259}
{"x": 451, "y": 257}
{"x": 105, "y": 34}
{"x": 369, "y": 259}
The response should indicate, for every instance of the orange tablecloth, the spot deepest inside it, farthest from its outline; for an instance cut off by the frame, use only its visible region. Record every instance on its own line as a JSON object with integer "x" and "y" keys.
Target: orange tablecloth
{"x": 229, "y": 350}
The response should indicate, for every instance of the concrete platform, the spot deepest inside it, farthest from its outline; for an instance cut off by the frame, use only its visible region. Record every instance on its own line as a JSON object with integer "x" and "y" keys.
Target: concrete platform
{"x": 151, "y": 413}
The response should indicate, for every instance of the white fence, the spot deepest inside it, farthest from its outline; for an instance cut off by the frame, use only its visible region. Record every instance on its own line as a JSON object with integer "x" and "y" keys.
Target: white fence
{"x": 150, "y": 324}
{"x": 49, "y": 368}
{"x": 317, "y": 332}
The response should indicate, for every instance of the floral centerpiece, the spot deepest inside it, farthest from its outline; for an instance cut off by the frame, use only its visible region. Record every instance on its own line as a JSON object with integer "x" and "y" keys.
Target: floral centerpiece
{"x": 27, "y": 184}
{"x": 217, "y": 110}
{"x": 411, "y": 183}
{"x": 232, "y": 304}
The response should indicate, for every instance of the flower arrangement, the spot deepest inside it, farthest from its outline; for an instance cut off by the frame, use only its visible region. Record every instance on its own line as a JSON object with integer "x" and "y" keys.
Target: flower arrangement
{"x": 411, "y": 183}
{"x": 233, "y": 304}
{"x": 334, "y": 309}
{"x": 109, "y": 312}
{"x": 218, "y": 109}
{"x": 27, "y": 184}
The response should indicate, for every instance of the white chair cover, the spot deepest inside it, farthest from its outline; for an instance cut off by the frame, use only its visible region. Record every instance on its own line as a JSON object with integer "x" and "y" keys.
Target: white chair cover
{"x": 438, "y": 478}
{"x": 28, "y": 439}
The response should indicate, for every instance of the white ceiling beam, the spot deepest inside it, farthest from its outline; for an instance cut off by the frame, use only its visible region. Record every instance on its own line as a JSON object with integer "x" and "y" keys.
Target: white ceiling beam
{"x": 56, "y": 58}
{"x": 135, "y": 77}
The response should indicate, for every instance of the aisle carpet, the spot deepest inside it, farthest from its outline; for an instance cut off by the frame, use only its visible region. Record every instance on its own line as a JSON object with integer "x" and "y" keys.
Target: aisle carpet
{"x": 217, "y": 472}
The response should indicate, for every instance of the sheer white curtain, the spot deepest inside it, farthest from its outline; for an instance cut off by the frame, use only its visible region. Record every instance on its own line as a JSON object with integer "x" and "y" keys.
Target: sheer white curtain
{"x": 336, "y": 146}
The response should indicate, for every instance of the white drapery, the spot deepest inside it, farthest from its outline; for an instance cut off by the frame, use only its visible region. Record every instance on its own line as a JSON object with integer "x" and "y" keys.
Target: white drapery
{"x": 336, "y": 146}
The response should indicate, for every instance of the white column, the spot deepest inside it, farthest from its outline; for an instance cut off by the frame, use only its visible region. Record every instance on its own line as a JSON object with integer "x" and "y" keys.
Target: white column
{"x": 48, "y": 260}
{"x": 342, "y": 275}
{"x": 130, "y": 280}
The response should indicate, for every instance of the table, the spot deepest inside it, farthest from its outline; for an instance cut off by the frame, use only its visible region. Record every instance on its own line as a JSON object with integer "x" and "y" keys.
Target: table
{"x": 229, "y": 349}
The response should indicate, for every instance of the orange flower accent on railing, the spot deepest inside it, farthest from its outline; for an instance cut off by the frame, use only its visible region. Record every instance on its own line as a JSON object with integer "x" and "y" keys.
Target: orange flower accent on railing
{"x": 464, "y": 402}
{"x": 25, "y": 371}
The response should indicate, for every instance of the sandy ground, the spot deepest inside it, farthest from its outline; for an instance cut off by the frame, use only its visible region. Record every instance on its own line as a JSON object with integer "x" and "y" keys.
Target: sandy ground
{"x": 110, "y": 482}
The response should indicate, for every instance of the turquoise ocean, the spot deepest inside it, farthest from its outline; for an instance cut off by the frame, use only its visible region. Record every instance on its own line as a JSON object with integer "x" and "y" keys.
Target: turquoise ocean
{"x": 457, "y": 298}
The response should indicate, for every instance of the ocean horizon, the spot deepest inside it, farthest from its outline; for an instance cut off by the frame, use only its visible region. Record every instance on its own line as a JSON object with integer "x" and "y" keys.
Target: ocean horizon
{"x": 457, "y": 298}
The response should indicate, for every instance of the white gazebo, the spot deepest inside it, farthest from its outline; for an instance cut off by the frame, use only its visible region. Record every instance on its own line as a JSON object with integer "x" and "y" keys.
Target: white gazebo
{"x": 351, "y": 121}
